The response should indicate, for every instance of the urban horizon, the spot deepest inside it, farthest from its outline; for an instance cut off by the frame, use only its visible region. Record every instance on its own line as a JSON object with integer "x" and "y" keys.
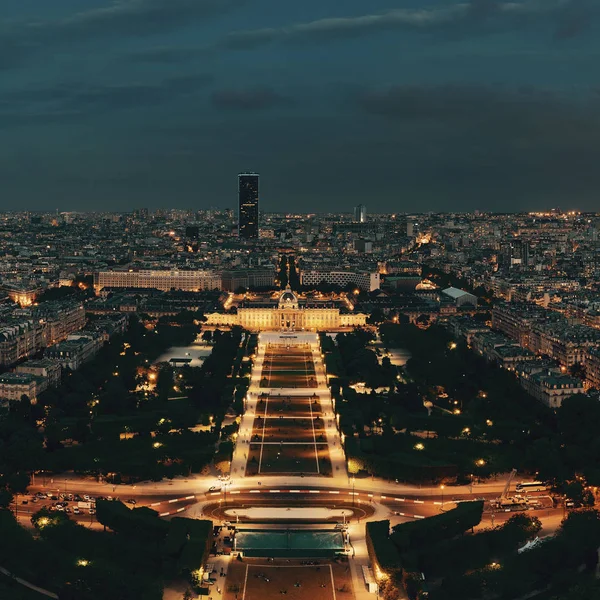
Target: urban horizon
{"x": 366, "y": 369}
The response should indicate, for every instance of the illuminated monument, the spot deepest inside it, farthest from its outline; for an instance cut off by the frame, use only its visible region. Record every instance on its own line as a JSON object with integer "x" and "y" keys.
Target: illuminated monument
{"x": 289, "y": 313}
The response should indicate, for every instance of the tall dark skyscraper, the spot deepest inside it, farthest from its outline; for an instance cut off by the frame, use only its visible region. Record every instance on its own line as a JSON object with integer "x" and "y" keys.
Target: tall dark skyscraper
{"x": 360, "y": 214}
{"x": 248, "y": 205}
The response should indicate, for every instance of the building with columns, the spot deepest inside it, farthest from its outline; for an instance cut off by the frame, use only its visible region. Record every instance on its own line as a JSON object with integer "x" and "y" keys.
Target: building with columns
{"x": 289, "y": 314}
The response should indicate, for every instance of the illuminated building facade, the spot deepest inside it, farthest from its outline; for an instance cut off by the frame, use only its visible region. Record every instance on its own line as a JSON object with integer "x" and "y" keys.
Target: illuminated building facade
{"x": 165, "y": 280}
{"x": 288, "y": 315}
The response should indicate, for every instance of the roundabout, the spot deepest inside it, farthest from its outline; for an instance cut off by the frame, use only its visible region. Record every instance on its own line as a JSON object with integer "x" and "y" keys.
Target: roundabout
{"x": 285, "y": 510}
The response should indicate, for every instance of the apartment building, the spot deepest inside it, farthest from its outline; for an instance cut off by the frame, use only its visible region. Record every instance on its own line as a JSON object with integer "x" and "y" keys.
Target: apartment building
{"x": 21, "y": 338}
{"x": 191, "y": 281}
{"x": 13, "y": 386}
{"x": 42, "y": 368}
{"x": 75, "y": 350}
{"x": 565, "y": 343}
{"x": 248, "y": 278}
{"x": 495, "y": 347}
{"x": 550, "y": 386}
{"x": 363, "y": 280}
{"x": 592, "y": 367}
{"x": 516, "y": 320}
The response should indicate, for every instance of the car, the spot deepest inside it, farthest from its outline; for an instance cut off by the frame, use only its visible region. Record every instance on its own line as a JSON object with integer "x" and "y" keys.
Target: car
{"x": 76, "y": 511}
{"x": 35, "y": 499}
{"x": 131, "y": 501}
{"x": 92, "y": 511}
{"x": 214, "y": 488}
{"x": 67, "y": 509}
{"x": 54, "y": 498}
{"x": 25, "y": 502}
{"x": 59, "y": 508}
{"x": 77, "y": 498}
{"x": 87, "y": 498}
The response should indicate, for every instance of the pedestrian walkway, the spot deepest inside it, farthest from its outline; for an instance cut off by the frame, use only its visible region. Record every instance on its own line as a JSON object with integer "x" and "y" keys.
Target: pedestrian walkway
{"x": 244, "y": 445}
{"x": 26, "y": 584}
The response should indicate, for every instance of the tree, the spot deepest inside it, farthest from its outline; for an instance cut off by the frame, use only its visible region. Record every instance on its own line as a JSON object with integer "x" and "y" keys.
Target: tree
{"x": 577, "y": 370}
{"x": 376, "y": 317}
{"x": 164, "y": 383}
{"x": 207, "y": 336}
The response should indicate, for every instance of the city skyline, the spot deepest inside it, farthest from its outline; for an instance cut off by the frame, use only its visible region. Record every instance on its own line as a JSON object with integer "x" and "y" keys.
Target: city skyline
{"x": 443, "y": 105}
{"x": 355, "y": 390}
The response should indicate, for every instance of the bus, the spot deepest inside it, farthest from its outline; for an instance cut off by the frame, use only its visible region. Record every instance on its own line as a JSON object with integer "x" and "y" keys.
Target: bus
{"x": 531, "y": 486}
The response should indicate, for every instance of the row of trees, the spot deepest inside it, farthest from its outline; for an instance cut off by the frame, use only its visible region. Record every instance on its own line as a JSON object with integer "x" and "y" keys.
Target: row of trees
{"x": 560, "y": 446}
{"x": 397, "y": 553}
{"x": 131, "y": 561}
{"x": 439, "y": 556}
{"x": 555, "y": 565}
{"x": 103, "y": 421}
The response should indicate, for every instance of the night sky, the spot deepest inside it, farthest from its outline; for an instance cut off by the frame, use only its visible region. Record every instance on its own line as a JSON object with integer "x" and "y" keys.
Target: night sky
{"x": 403, "y": 105}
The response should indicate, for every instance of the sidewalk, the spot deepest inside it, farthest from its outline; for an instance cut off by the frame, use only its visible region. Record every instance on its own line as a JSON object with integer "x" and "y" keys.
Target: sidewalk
{"x": 26, "y": 584}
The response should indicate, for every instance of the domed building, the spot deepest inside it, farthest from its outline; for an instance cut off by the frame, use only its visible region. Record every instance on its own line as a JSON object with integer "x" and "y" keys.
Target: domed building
{"x": 288, "y": 299}
{"x": 290, "y": 313}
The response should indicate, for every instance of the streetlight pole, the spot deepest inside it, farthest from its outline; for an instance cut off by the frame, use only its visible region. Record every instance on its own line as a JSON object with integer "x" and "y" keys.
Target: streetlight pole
{"x": 353, "y": 483}
{"x": 442, "y": 488}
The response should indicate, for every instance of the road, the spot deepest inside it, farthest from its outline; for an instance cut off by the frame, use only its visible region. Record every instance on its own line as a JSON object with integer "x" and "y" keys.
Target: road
{"x": 396, "y": 500}
{"x": 170, "y": 498}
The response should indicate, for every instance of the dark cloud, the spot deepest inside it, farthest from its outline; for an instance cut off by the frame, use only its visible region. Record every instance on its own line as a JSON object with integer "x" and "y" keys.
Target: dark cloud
{"x": 458, "y": 102}
{"x": 133, "y": 17}
{"x": 119, "y": 20}
{"x": 576, "y": 18}
{"x": 519, "y": 129}
{"x": 163, "y": 55}
{"x": 68, "y": 100}
{"x": 248, "y": 99}
{"x": 474, "y": 17}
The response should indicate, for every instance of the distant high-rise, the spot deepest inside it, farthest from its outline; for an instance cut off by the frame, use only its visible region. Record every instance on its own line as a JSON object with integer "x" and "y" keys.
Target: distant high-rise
{"x": 360, "y": 214}
{"x": 248, "y": 206}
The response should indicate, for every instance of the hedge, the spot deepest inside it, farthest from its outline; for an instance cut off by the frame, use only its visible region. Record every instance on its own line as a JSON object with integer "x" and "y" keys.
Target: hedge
{"x": 382, "y": 551}
{"x": 413, "y": 535}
